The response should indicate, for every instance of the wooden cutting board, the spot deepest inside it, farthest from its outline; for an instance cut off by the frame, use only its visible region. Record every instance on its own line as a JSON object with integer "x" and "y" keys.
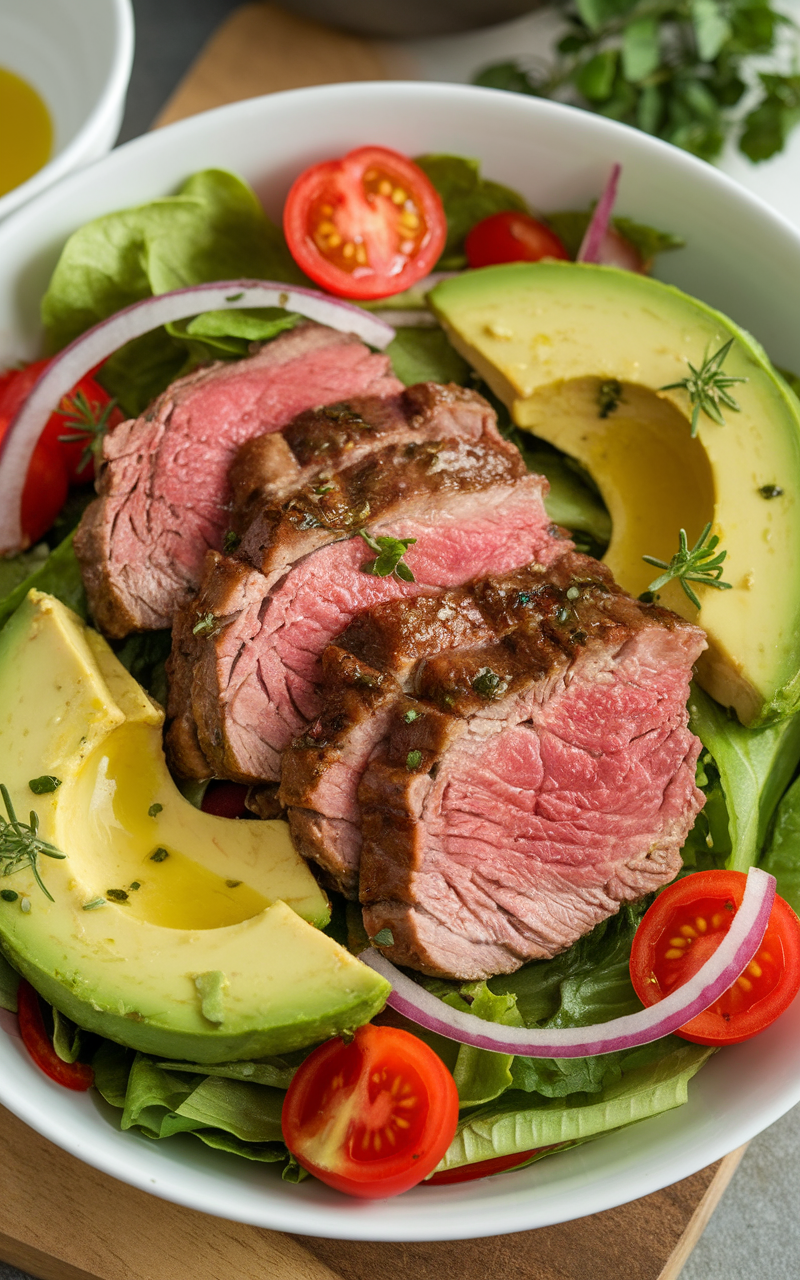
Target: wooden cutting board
{"x": 60, "y": 1219}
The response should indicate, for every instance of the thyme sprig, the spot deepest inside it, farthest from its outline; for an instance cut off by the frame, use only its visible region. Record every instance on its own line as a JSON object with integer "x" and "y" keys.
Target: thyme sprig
{"x": 389, "y": 556}
{"x": 702, "y": 563}
{"x": 707, "y": 387}
{"x": 89, "y": 422}
{"x": 21, "y": 844}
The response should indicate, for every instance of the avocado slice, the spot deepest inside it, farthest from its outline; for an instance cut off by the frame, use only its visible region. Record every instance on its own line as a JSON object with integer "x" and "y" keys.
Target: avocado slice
{"x": 552, "y": 339}
{"x": 169, "y": 930}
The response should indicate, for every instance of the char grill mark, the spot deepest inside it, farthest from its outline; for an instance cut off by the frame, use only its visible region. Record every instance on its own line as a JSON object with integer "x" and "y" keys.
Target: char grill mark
{"x": 163, "y": 486}
{"x": 518, "y": 789}
{"x": 248, "y": 680}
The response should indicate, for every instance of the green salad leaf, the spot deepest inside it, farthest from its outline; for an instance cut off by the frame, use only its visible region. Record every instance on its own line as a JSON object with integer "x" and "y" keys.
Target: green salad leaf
{"x": 59, "y": 575}
{"x": 9, "y": 982}
{"x": 425, "y": 355}
{"x": 570, "y": 227}
{"x": 782, "y": 857}
{"x": 754, "y": 766}
{"x": 214, "y": 228}
{"x": 467, "y": 198}
{"x": 513, "y": 1124}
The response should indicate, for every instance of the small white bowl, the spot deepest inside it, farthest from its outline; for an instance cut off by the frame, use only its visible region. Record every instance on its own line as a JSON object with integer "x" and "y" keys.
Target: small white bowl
{"x": 77, "y": 55}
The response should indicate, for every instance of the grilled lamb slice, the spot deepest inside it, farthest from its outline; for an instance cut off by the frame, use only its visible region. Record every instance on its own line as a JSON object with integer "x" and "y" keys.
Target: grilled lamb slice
{"x": 250, "y": 645}
{"x": 544, "y": 780}
{"x": 164, "y": 494}
{"x": 320, "y": 442}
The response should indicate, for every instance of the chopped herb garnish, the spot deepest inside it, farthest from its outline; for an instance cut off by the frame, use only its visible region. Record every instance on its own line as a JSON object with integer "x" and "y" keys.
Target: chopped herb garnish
{"x": 578, "y": 637}
{"x": 8, "y": 895}
{"x": 154, "y": 810}
{"x": 389, "y": 556}
{"x": 564, "y": 614}
{"x": 523, "y": 597}
{"x": 234, "y": 297}
{"x": 384, "y": 938}
{"x": 89, "y": 422}
{"x": 324, "y": 488}
{"x": 117, "y": 895}
{"x": 206, "y": 625}
{"x": 573, "y": 593}
{"x": 233, "y": 884}
{"x": 489, "y": 684}
{"x": 231, "y": 541}
{"x": 771, "y": 491}
{"x": 41, "y": 786}
{"x": 159, "y": 855}
{"x": 21, "y": 844}
{"x": 700, "y": 564}
{"x": 411, "y": 715}
{"x": 135, "y": 884}
{"x": 413, "y": 760}
{"x": 609, "y": 394}
{"x": 94, "y": 904}
{"x": 707, "y": 387}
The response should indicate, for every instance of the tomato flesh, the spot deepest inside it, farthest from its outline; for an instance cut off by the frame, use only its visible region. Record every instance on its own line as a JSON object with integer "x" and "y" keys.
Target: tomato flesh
{"x": 226, "y": 800}
{"x": 511, "y": 237}
{"x": 366, "y": 226}
{"x": 683, "y": 928}
{"x": 371, "y": 1117}
{"x": 72, "y": 1075}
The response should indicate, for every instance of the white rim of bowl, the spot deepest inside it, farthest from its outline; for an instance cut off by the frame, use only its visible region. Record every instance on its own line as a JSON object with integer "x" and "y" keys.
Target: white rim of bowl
{"x": 114, "y": 90}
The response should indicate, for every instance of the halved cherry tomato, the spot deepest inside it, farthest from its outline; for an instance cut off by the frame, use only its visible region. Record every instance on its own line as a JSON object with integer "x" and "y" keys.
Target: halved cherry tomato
{"x": 61, "y": 455}
{"x": 482, "y": 1168}
{"x": 372, "y": 1117}
{"x": 366, "y": 226}
{"x": 226, "y": 800}
{"x": 511, "y": 237}
{"x": 685, "y": 925}
{"x": 72, "y": 1075}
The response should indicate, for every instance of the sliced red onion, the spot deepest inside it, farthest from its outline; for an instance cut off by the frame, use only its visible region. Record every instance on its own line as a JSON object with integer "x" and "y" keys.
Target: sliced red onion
{"x": 720, "y": 971}
{"x": 97, "y": 344}
{"x": 592, "y": 243}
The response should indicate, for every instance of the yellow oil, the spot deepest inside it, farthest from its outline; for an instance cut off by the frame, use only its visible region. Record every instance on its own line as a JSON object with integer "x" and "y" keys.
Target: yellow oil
{"x": 123, "y": 848}
{"x": 26, "y": 131}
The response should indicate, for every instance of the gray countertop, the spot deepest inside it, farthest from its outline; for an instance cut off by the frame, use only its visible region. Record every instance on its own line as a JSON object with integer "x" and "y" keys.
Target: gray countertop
{"x": 755, "y": 1231}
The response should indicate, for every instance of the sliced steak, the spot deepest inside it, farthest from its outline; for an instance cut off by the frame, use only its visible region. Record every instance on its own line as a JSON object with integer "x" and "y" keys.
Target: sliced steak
{"x": 164, "y": 495}
{"x": 320, "y": 442}
{"x": 550, "y": 778}
{"x": 517, "y": 775}
{"x": 263, "y": 618}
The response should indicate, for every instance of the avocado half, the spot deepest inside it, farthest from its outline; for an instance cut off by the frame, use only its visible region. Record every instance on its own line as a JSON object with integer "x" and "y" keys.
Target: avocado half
{"x": 549, "y": 338}
{"x": 168, "y": 930}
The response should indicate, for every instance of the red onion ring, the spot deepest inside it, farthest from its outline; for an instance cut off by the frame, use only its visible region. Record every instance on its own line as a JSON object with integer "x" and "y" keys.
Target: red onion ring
{"x": 592, "y": 243}
{"x": 720, "y": 971}
{"x": 98, "y": 343}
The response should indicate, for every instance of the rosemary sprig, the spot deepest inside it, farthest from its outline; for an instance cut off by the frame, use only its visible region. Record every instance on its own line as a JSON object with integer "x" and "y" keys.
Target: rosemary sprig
{"x": 707, "y": 387}
{"x": 89, "y": 422}
{"x": 703, "y": 564}
{"x": 21, "y": 844}
{"x": 389, "y": 556}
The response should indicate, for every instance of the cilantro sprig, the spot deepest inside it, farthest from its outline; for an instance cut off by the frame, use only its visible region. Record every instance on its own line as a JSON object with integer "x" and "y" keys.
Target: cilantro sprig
{"x": 701, "y": 563}
{"x": 678, "y": 69}
{"x": 389, "y": 553}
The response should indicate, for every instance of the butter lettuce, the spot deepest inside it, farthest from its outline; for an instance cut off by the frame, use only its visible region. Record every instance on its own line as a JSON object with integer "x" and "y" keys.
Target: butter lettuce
{"x": 58, "y": 574}
{"x": 782, "y": 858}
{"x": 467, "y": 198}
{"x": 214, "y": 228}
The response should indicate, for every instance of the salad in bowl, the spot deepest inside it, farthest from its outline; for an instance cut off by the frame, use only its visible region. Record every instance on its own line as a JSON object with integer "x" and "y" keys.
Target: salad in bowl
{"x": 399, "y": 676}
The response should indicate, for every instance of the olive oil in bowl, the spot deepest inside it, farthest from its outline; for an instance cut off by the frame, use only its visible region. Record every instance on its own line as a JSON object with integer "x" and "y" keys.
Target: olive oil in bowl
{"x": 26, "y": 131}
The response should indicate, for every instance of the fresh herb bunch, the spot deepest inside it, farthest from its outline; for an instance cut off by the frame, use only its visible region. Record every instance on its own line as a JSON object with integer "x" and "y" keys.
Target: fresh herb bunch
{"x": 677, "y": 69}
{"x": 708, "y": 388}
{"x": 702, "y": 563}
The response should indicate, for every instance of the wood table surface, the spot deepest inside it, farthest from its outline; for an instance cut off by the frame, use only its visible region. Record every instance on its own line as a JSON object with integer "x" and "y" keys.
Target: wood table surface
{"x": 61, "y": 1219}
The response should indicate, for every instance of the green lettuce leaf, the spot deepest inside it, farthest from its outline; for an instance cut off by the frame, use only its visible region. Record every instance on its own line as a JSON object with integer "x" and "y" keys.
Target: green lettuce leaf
{"x": 480, "y": 1075}
{"x": 59, "y": 575}
{"x": 511, "y": 1124}
{"x": 9, "y": 982}
{"x": 145, "y": 655}
{"x": 467, "y": 198}
{"x": 213, "y": 229}
{"x": 425, "y": 355}
{"x": 570, "y": 227}
{"x": 754, "y": 766}
{"x": 782, "y": 858}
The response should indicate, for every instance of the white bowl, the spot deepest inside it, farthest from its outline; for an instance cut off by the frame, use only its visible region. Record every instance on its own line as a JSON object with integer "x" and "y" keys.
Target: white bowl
{"x": 77, "y": 54}
{"x": 740, "y": 257}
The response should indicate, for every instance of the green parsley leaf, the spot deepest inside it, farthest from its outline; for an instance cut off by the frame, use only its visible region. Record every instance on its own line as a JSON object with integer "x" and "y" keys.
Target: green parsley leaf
{"x": 154, "y": 810}
{"x": 383, "y": 938}
{"x": 413, "y": 760}
{"x": 42, "y": 786}
{"x": 389, "y": 556}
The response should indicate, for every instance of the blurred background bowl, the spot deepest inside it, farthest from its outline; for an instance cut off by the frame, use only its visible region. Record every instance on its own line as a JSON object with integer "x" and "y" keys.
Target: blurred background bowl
{"x": 77, "y": 55}
{"x": 413, "y": 19}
